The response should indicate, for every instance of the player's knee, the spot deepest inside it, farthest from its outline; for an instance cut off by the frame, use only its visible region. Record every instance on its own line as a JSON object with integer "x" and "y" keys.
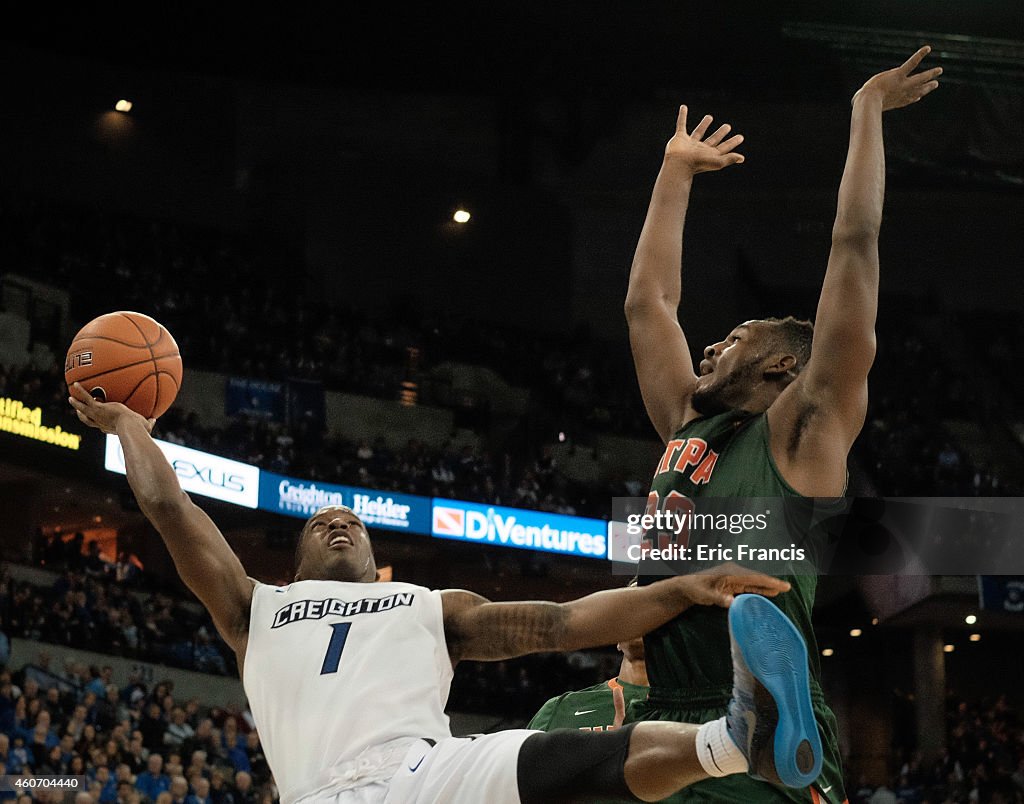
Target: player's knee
{"x": 572, "y": 765}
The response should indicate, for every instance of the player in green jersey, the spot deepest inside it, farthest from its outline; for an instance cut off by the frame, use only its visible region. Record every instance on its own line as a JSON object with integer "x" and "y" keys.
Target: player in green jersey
{"x": 772, "y": 411}
{"x": 603, "y": 706}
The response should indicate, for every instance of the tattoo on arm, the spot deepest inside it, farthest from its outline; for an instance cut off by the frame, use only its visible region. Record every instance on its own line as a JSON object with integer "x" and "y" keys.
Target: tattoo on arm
{"x": 479, "y": 630}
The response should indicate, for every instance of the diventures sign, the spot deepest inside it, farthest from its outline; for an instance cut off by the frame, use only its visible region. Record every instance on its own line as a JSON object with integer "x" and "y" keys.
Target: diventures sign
{"x": 18, "y": 419}
{"x": 200, "y": 472}
{"x": 515, "y": 527}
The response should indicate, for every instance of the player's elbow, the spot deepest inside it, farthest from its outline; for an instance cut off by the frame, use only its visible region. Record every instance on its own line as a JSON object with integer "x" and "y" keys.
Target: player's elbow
{"x": 855, "y": 235}
{"x": 572, "y": 629}
{"x": 164, "y": 509}
{"x": 642, "y": 305}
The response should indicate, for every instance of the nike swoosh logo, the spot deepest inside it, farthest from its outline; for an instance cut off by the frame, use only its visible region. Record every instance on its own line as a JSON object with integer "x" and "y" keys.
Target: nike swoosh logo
{"x": 414, "y": 768}
{"x": 585, "y": 711}
{"x": 826, "y": 789}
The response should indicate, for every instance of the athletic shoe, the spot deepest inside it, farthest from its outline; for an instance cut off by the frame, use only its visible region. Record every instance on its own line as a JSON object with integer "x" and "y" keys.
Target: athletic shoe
{"x": 770, "y": 716}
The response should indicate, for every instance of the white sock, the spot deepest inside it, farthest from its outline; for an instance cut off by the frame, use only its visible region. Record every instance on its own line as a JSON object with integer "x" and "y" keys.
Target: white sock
{"x": 717, "y": 752}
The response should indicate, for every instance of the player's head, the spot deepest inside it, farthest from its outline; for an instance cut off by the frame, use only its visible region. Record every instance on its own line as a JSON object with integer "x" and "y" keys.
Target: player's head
{"x": 334, "y": 546}
{"x": 752, "y": 365}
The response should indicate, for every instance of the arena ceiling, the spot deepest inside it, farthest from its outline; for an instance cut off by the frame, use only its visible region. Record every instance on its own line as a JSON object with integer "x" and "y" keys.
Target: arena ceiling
{"x": 519, "y": 50}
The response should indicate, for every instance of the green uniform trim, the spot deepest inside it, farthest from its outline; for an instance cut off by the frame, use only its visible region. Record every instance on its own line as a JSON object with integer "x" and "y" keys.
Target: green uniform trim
{"x": 595, "y": 707}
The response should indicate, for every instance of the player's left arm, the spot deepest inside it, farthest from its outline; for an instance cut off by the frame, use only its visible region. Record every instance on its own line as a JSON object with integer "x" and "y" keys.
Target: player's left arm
{"x": 817, "y": 418}
{"x": 477, "y": 629}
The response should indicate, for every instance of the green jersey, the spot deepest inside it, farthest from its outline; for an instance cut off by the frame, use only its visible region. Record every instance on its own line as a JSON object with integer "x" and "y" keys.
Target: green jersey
{"x": 590, "y": 709}
{"x": 728, "y": 456}
{"x": 688, "y": 659}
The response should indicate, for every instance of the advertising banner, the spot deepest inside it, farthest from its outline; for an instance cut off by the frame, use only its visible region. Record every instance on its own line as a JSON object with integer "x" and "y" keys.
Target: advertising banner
{"x": 514, "y": 527}
{"x": 21, "y": 420}
{"x": 303, "y": 498}
{"x": 199, "y": 472}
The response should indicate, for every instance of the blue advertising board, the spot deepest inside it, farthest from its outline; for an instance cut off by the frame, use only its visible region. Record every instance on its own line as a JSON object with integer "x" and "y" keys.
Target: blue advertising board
{"x": 1001, "y": 593}
{"x": 515, "y": 527}
{"x": 303, "y": 498}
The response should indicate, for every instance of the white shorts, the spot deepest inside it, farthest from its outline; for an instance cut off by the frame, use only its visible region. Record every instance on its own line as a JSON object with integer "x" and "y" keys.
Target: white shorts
{"x": 457, "y": 770}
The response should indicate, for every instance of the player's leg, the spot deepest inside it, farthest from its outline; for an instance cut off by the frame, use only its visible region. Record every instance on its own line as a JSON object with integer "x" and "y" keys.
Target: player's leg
{"x": 769, "y": 732}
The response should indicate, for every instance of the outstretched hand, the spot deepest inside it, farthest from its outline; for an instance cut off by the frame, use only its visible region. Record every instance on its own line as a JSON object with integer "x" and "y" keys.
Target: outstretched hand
{"x": 901, "y": 86}
{"x": 104, "y": 416}
{"x": 719, "y": 585}
{"x": 699, "y": 154}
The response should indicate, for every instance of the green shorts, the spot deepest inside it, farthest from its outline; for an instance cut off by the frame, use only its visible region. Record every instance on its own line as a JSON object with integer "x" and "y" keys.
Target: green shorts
{"x": 740, "y": 788}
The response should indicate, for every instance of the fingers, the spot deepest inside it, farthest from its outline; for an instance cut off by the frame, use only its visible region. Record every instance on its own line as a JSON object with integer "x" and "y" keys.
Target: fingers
{"x": 730, "y": 144}
{"x": 911, "y": 64}
{"x": 931, "y": 86}
{"x": 78, "y": 392}
{"x": 928, "y": 75}
{"x": 719, "y": 135}
{"x": 702, "y": 127}
{"x": 681, "y": 121}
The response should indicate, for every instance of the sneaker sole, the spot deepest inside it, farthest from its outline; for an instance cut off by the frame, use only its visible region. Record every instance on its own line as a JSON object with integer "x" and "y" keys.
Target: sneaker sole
{"x": 776, "y": 654}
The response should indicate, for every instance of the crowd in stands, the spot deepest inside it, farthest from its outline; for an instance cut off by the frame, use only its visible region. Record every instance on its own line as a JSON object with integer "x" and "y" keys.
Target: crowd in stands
{"x": 266, "y": 328}
{"x": 983, "y": 762}
{"x": 134, "y": 744}
{"x": 93, "y": 602}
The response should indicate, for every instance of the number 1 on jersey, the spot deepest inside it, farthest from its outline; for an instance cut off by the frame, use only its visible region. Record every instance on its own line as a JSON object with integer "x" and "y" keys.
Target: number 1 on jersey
{"x": 339, "y": 633}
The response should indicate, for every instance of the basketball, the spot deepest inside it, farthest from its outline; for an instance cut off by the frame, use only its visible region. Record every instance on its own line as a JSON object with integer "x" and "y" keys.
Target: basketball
{"x": 129, "y": 358}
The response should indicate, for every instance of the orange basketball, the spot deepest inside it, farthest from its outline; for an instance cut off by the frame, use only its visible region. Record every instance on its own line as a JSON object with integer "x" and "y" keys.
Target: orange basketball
{"x": 129, "y": 358}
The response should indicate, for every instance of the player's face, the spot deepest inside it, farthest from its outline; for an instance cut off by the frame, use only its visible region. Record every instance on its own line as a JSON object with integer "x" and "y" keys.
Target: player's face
{"x": 730, "y": 369}
{"x": 335, "y": 546}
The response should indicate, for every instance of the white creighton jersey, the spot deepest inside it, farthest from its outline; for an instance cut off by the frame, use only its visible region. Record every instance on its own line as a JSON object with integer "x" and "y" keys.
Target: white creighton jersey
{"x": 333, "y": 668}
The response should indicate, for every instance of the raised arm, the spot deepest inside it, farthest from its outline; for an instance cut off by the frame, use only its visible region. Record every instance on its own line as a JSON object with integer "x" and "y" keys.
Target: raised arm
{"x": 829, "y": 399}
{"x": 203, "y": 558}
{"x": 480, "y": 630}
{"x": 661, "y": 355}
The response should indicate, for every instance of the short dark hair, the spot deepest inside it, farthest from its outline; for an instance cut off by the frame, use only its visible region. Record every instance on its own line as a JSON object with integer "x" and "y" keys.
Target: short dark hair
{"x": 794, "y": 336}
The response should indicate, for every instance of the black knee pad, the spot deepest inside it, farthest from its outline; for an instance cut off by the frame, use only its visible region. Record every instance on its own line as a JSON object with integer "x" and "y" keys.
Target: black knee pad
{"x": 569, "y": 765}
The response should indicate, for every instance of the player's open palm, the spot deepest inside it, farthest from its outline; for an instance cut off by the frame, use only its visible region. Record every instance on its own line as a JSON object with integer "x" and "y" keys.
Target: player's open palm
{"x": 901, "y": 86}
{"x": 700, "y": 153}
{"x": 717, "y": 586}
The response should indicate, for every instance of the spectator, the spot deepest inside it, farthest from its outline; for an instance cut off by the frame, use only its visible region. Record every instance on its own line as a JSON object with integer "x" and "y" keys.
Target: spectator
{"x": 258, "y": 765}
{"x": 153, "y": 780}
{"x": 136, "y": 755}
{"x": 152, "y": 727}
{"x": 203, "y": 740}
{"x": 201, "y": 793}
{"x": 220, "y": 790}
{"x": 108, "y": 785}
{"x": 177, "y": 730}
{"x": 245, "y": 793}
{"x": 178, "y": 790}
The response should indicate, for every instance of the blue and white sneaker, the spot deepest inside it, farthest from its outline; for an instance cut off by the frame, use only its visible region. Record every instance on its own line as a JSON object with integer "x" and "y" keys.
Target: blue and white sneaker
{"x": 770, "y": 716}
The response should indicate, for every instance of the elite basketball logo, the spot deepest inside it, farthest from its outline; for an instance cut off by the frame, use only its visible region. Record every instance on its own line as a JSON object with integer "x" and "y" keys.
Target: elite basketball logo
{"x": 78, "y": 360}
{"x": 683, "y": 453}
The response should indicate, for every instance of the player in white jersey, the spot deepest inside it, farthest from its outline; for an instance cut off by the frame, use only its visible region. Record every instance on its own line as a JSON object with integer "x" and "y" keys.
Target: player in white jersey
{"x": 347, "y": 678}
